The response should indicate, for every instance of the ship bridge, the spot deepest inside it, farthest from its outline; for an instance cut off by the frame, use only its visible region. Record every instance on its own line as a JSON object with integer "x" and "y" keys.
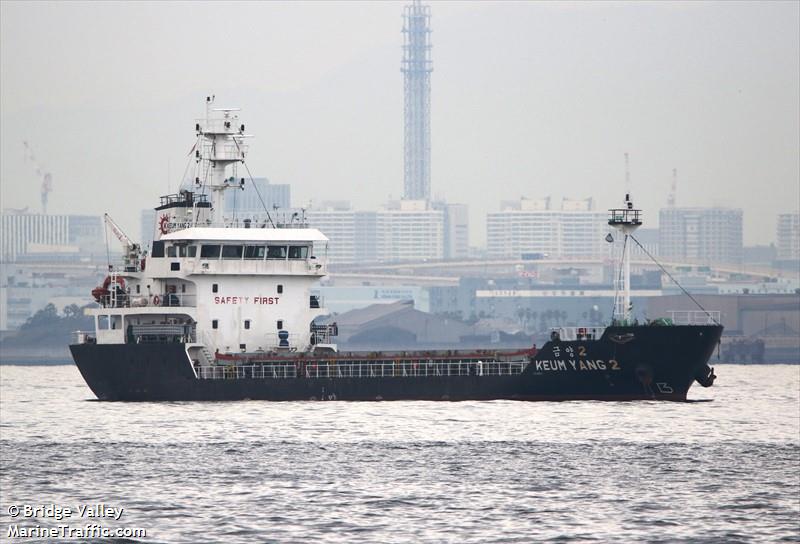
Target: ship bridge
{"x": 204, "y": 250}
{"x": 247, "y": 234}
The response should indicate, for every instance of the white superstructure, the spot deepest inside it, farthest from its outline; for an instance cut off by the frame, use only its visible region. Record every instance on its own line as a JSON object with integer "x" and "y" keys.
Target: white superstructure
{"x": 626, "y": 220}
{"x": 212, "y": 283}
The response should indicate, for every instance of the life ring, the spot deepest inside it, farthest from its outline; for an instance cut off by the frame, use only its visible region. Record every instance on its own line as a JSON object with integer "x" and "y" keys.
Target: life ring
{"x": 156, "y": 301}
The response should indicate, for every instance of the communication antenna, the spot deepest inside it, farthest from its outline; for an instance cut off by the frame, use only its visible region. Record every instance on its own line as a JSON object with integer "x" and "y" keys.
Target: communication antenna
{"x": 627, "y": 176}
{"x": 417, "y": 66}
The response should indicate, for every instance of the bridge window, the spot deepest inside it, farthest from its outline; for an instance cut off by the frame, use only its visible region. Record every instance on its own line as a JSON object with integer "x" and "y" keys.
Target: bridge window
{"x": 298, "y": 252}
{"x": 209, "y": 251}
{"x": 232, "y": 252}
{"x": 102, "y": 322}
{"x": 116, "y": 321}
{"x": 158, "y": 249}
{"x": 171, "y": 251}
{"x": 276, "y": 252}
{"x": 255, "y": 252}
{"x": 191, "y": 251}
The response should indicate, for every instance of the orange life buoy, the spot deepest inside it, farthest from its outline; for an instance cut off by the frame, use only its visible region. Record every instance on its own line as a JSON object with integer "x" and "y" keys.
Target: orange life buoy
{"x": 156, "y": 300}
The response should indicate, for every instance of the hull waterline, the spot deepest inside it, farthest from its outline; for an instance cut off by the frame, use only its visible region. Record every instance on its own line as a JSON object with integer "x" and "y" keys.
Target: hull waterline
{"x": 626, "y": 363}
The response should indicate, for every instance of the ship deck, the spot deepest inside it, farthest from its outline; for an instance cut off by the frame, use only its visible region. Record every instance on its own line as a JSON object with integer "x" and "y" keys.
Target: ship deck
{"x": 375, "y": 356}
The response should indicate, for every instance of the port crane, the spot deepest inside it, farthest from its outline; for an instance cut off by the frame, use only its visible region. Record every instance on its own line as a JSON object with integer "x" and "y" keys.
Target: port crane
{"x": 132, "y": 251}
{"x": 43, "y": 173}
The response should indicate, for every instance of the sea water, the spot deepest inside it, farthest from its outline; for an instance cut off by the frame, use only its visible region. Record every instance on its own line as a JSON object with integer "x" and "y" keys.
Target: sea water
{"x": 724, "y": 468}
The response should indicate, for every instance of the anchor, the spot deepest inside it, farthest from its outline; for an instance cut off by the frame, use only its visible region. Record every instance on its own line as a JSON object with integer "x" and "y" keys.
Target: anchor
{"x": 707, "y": 377}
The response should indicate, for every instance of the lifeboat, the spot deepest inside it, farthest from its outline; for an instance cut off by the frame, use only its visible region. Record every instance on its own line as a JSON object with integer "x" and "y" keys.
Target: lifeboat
{"x": 108, "y": 280}
{"x": 101, "y": 293}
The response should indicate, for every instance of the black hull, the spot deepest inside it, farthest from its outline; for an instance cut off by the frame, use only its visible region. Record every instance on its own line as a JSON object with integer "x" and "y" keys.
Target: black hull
{"x": 627, "y": 363}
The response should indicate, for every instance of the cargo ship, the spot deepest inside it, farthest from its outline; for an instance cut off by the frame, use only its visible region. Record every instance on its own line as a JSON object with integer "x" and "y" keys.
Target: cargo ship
{"x": 222, "y": 309}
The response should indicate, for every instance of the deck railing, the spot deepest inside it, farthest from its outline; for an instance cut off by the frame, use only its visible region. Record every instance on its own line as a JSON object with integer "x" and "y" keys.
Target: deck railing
{"x": 695, "y": 317}
{"x": 166, "y": 300}
{"x": 360, "y": 369}
{"x": 84, "y": 337}
{"x": 577, "y": 333}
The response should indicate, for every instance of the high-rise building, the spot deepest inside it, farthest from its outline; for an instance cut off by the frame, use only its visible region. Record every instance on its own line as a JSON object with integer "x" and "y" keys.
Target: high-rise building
{"x": 648, "y": 238}
{"x": 337, "y": 220}
{"x": 18, "y": 231}
{"x": 532, "y": 226}
{"x": 366, "y": 236}
{"x": 404, "y": 230}
{"x": 257, "y": 195}
{"x": 788, "y": 237}
{"x": 456, "y": 229}
{"x": 709, "y": 235}
{"x": 46, "y": 257}
{"x": 147, "y": 227}
{"x": 409, "y": 230}
{"x": 417, "y": 67}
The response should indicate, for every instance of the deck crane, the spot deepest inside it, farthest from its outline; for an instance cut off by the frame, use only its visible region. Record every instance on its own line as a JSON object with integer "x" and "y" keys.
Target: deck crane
{"x": 43, "y": 173}
{"x": 132, "y": 251}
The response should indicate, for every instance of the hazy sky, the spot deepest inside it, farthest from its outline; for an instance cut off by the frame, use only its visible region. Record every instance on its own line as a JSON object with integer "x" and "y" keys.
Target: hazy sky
{"x": 529, "y": 99}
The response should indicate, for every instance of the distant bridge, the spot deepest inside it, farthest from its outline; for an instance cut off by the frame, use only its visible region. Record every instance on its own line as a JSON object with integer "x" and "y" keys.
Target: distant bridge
{"x": 448, "y": 272}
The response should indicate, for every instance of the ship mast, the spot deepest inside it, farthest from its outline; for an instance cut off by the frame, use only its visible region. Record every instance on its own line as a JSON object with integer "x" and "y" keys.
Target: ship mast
{"x": 626, "y": 220}
{"x": 220, "y": 144}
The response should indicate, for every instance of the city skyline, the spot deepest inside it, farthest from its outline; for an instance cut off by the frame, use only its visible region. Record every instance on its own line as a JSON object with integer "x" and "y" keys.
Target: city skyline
{"x": 527, "y": 100}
